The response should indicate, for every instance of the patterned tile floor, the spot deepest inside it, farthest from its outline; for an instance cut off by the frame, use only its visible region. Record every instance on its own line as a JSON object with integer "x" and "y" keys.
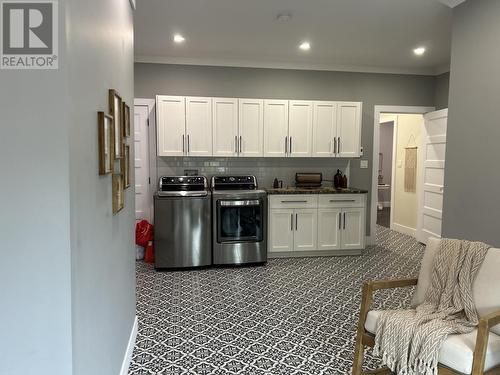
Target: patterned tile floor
{"x": 293, "y": 316}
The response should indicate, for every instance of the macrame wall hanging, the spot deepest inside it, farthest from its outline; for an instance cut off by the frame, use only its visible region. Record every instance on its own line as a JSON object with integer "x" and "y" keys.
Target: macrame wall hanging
{"x": 411, "y": 166}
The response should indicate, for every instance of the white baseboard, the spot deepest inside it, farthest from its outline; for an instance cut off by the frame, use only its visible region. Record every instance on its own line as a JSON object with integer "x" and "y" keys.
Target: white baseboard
{"x": 130, "y": 349}
{"x": 403, "y": 229}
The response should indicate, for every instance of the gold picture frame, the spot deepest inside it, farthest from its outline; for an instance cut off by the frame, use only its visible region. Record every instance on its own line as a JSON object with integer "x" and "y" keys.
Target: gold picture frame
{"x": 117, "y": 193}
{"x": 126, "y": 120}
{"x": 125, "y": 166}
{"x": 116, "y": 110}
{"x": 105, "y": 127}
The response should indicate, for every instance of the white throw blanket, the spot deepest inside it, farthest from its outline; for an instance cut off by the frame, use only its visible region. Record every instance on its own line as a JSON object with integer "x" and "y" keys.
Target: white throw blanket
{"x": 409, "y": 341}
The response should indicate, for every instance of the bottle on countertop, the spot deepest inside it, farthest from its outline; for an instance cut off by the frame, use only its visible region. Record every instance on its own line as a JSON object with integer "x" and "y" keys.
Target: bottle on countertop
{"x": 337, "y": 180}
{"x": 344, "y": 182}
{"x": 277, "y": 184}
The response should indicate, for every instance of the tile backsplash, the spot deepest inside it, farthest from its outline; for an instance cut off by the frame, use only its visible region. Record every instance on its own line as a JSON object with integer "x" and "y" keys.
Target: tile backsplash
{"x": 265, "y": 169}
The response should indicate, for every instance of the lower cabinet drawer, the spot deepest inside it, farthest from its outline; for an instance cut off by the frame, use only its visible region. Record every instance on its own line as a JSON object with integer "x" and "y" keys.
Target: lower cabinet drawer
{"x": 293, "y": 201}
{"x": 341, "y": 200}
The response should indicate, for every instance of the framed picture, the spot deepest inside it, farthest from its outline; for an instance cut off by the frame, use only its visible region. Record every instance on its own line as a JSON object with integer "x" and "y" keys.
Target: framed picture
{"x": 125, "y": 166}
{"x": 115, "y": 110}
{"x": 105, "y": 128}
{"x": 117, "y": 194}
{"x": 126, "y": 120}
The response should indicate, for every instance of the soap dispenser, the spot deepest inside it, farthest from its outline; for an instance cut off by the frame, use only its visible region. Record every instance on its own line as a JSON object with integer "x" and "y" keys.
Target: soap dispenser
{"x": 337, "y": 180}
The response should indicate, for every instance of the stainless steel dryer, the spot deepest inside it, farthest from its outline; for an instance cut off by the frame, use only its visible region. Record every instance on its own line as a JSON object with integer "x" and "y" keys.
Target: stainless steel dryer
{"x": 183, "y": 222}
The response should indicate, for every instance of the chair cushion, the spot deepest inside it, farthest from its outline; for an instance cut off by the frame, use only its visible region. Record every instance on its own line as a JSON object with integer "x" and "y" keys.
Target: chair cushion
{"x": 486, "y": 291}
{"x": 457, "y": 352}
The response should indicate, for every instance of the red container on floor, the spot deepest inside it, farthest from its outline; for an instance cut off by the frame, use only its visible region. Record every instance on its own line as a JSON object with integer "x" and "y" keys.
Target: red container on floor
{"x": 149, "y": 256}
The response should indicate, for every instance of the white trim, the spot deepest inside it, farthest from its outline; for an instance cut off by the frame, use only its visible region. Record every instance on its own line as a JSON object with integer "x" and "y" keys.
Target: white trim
{"x": 370, "y": 240}
{"x": 153, "y": 170}
{"x": 451, "y": 3}
{"x": 133, "y": 4}
{"x": 403, "y": 229}
{"x": 228, "y": 62}
{"x": 393, "y": 167}
{"x": 130, "y": 348}
{"x": 376, "y": 147}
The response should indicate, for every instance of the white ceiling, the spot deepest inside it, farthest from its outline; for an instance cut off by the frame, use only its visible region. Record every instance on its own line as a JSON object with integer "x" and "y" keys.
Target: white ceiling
{"x": 348, "y": 35}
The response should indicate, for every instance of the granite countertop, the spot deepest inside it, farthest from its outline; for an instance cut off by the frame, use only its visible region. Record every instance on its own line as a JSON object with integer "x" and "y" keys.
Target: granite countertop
{"x": 320, "y": 190}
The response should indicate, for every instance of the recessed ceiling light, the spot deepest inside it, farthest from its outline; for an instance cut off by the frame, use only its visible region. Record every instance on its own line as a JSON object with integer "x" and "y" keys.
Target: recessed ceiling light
{"x": 284, "y": 17}
{"x": 178, "y": 38}
{"x": 305, "y": 46}
{"x": 419, "y": 51}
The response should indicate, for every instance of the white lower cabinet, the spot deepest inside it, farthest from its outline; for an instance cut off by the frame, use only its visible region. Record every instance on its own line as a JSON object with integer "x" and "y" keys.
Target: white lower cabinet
{"x": 305, "y": 223}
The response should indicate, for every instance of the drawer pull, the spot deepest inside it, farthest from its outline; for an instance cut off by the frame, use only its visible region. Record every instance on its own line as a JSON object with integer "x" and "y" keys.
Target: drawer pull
{"x": 293, "y": 201}
{"x": 342, "y": 200}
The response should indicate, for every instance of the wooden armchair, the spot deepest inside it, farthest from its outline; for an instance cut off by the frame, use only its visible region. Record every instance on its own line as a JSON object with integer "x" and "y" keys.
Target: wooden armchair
{"x": 476, "y": 353}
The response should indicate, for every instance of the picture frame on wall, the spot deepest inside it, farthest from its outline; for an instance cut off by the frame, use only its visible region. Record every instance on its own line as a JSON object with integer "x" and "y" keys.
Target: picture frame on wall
{"x": 117, "y": 193}
{"x": 115, "y": 110}
{"x": 126, "y": 120}
{"x": 105, "y": 127}
{"x": 125, "y": 166}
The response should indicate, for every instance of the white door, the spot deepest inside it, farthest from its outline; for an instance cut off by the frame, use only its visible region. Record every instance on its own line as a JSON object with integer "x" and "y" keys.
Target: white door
{"x": 171, "y": 125}
{"x": 306, "y": 229}
{"x": 300, "y": 128}
{"x": 225, "y": 126}
{"x": 352, "y": 228}
{"x": 329, "y": 220}
{"x": 281, "y": 230}
{"x": 275, "y": 128}
{"x": 141, "y": 155}
{"x": 324, "y": 129}
{"x": 198, "y": 126}
{"x": 251, "y": 127}
{"x": 432, "y": 159}
{"x": 348, "y": 129}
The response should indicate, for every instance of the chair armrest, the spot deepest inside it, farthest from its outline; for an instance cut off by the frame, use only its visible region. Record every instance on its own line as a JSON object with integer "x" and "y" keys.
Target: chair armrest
{"x": 390, "y": 284}
{"x": 483, "y": 332}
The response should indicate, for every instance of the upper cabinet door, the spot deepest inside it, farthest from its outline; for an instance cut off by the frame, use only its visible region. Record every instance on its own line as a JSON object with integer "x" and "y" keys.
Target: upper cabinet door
{"x": 300, "y": 128}
{"x": 198, "y": 126}
{"x": 275, "y": 128}
{"x": 251, "y": 127}
{"x": 348, "y": 129}
{"x": 324, "y": 129}
{"x": 225, "y": 126}
{"x": 171, "y": 123}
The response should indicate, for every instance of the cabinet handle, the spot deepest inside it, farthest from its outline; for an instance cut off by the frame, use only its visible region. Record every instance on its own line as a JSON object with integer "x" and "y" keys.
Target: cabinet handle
{"x": 240, "y": 146}
{"x": 291, "y": 221}
{"x": 188, "y": 144}
{"x": 339, "y": 145}
{"x": 342, "y": 200}
{"x": 235, "y": 144}
{"x": 335, "y": 145}
{"x": 296, "y": 221}
{"x": 286, "y": 145}
{"x": 290, "y": 145}
{"x": 344, "y": 220}
{"x": 183, "y": 144}
{"x": 293, "y": 201}
{"x": 340, "y": 220}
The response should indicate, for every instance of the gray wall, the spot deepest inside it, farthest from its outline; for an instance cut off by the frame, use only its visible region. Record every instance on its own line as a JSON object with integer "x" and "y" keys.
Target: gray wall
{"x": 35, "y": 264}
{"x": 371, "y": 89}
{"x": 100, "y": 48}
{"x": 472, "y": 178}
{"x": 441, "y": 91}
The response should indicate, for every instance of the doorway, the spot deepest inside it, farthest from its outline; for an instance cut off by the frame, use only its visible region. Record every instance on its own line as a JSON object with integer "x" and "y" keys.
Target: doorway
{"x": 393, "y": 170}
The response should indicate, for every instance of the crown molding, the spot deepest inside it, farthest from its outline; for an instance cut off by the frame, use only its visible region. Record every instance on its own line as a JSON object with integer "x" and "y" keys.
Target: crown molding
{"x": 451, "y": 3}
{"x": 286, "y": 65}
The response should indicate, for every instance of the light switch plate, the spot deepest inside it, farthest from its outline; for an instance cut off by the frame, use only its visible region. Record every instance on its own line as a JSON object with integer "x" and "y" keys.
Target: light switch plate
{"x": 363, "y": 163}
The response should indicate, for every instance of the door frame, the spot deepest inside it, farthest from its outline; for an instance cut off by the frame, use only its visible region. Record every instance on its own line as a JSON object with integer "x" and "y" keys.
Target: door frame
{"x": 394, "y": 109}
{"x": 153, "y": 172}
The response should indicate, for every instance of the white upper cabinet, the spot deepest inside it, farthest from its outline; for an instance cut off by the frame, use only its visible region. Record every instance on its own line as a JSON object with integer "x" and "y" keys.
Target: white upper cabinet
{"x": 171, "y": 120}
{"x": 324, "y": 129}
{"x": 251, "y": 127}
{"x": 225, "y": 127}
{"x": 198, "y": 126}
{"x": 275, "y": 128}
{"x": 348, "y": 129}
{"x": 300, "y": 128}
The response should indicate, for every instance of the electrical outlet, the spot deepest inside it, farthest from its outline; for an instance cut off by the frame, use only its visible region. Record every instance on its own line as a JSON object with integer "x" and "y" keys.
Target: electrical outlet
{"x": 363, "y": 164}
{"x": 361, "y": 151}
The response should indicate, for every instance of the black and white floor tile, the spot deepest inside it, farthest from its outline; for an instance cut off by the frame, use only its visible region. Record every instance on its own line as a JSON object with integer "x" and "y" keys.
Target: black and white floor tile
{"x": 293, "y": 316}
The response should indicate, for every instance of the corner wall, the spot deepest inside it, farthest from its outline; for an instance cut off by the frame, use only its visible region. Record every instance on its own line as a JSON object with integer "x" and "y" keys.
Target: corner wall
{"x": 472, "y": 178}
